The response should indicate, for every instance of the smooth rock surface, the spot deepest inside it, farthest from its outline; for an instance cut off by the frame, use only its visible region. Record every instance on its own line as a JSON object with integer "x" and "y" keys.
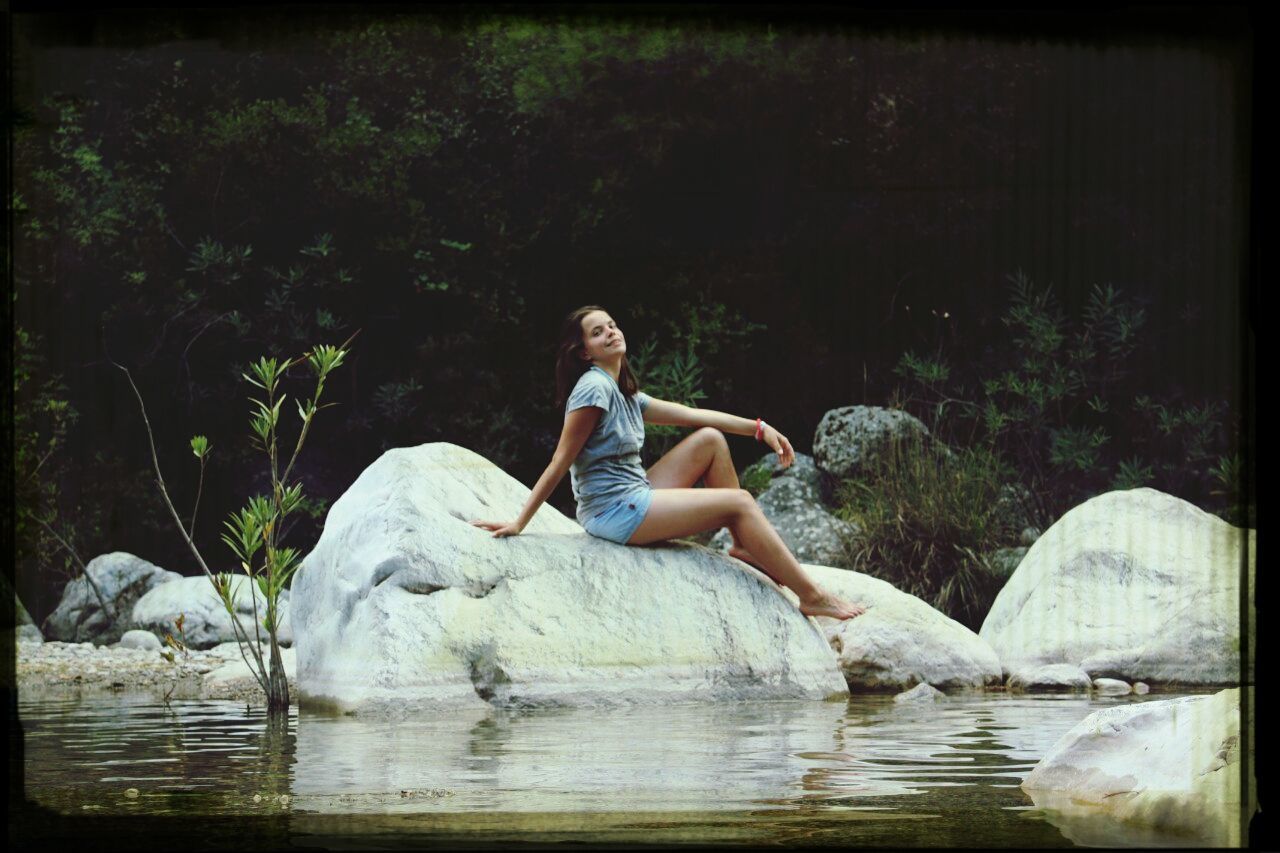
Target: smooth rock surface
{"x": 921, "y": 693}
{"x": 123, "y": 579}
{"x": 137, "y": 639}
{"x": 206, "y": 622}
{"x": 1173, "y": 765}
{"x": 900, "y": 641}
{"x": 1131, "y": 584}
{"x": 793, "y": 504}
{"x": 1112, "y": 687}
{"x": 405, "y": 605}
{"x": 1050, "y": 678}
{"x": 851, "y": 438}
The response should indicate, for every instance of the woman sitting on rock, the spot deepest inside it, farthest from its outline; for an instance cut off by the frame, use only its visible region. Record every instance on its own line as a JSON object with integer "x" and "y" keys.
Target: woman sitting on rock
{"x": 605, "y": 414}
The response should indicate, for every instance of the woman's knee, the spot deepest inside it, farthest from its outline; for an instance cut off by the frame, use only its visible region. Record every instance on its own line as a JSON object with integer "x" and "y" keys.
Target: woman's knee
{"x": 744, "y": 503}
{"x": 712, "y": 436}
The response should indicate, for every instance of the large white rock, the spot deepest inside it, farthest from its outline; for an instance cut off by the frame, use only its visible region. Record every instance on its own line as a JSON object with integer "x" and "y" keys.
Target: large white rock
{"x": 1171, "y": 765}
{"x": 901, "y": 641}
{"x": 123, "y": 579}
{"x": 404, "y": 605}
{"x": 1133, "y": 585}
{"x": 206, "y": 622}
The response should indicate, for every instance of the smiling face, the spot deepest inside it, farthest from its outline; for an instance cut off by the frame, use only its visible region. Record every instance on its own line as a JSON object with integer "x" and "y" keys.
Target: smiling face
{"x": 602, "y": 340}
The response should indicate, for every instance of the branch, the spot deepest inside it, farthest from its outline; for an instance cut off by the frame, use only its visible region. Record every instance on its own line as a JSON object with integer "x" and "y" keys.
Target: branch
{"x": 164, "y": 493}
{"x": 110, "y": 611}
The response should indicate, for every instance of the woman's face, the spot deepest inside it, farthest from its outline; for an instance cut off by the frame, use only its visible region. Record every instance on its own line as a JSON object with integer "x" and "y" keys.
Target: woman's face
{"x": 601, "y": 338}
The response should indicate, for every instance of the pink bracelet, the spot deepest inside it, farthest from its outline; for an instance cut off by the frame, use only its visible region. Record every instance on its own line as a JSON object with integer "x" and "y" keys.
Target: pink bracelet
{"x": 760, "y": 425}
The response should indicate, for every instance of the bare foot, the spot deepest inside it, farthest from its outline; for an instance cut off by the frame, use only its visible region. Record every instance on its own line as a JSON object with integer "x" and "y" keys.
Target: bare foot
{"x": 829, "y": 605}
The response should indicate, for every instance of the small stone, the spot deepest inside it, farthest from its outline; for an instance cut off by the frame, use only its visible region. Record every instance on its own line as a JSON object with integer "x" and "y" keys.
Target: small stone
{"x": 1111, "y": 686}
{"x": 1141, "y": 688}
{"x": 922, "y": 692}
{"x": 131, "y": 793}
{"x": 257, "y": 798}
{"x": 284, "y": 799}
{"x": 1029, "y": 536}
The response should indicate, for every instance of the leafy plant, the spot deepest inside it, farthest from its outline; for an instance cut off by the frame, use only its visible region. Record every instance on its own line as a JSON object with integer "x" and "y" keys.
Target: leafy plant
{"x": 755, "y": 478}
{"x": 1056, "y": 401}
{"x": 257, "y": 526}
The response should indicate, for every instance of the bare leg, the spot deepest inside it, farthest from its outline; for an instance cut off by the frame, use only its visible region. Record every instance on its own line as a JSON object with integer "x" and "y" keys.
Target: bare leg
{"x": 703, "y": 455}
{"x": 679, "y": 512}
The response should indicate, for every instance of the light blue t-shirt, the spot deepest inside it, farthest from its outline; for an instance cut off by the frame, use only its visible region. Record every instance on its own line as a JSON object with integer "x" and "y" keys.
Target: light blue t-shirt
{"x": 608, "y": 467}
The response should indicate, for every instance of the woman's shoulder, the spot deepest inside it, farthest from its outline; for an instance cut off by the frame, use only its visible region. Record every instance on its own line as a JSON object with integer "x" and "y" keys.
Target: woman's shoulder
{"x": 592, "y": 377}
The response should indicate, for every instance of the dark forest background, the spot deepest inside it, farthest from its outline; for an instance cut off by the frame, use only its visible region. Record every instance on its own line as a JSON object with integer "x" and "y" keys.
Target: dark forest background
{"x": 776, "y": 213}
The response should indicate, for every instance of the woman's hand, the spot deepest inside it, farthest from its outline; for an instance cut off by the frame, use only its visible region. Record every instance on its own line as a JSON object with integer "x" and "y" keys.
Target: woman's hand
{"x": 500, "y": 528}
{"x": 778, "y": 441}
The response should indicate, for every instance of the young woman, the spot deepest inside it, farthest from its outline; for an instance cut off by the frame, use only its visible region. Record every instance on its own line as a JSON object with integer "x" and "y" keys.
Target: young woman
{"x": 604, "y": 420}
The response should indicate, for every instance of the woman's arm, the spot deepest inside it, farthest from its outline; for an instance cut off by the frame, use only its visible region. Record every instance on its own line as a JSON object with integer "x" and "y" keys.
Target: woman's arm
{"x": 675, "y": 414}
{"x": 578, "y": 425}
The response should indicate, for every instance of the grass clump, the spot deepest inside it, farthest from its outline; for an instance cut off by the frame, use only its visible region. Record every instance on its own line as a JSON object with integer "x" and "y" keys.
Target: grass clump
{"x": 928, "y": 517}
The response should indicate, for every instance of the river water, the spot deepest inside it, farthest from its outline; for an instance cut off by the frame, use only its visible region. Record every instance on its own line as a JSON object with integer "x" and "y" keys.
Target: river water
{"x": 866, "y": 772}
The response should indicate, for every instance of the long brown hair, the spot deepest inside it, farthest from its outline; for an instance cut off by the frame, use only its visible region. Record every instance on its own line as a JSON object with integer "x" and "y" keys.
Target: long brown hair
{"x": 569, "y": 362}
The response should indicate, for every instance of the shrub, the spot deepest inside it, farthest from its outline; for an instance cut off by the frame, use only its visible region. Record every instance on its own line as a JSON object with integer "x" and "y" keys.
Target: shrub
{"x": 928, "y": 516}
{"x": 1058, "y": 400}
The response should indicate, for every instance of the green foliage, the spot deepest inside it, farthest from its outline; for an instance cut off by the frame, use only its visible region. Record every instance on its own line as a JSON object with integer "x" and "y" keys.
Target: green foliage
{"x": 928, "y": 516}
{"x": 1056, "y": 401}
{"x": 42, "y": 417}
{"x": 755, "y": 478}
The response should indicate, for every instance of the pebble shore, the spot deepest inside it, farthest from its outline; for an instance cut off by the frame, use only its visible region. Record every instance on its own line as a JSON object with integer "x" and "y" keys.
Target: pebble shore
{"x": 57, "y": 668}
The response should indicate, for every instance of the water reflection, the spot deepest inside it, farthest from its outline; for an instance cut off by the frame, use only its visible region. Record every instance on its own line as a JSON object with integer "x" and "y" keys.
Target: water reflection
{"x": 945, "y": 773}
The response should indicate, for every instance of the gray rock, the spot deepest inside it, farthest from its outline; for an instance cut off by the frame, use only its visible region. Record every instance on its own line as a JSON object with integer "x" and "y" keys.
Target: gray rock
{"x": 1111, "y": 687}
{"x": 123, "y": 579}
{"x": 404, "y": 605}
{"x": 136, "y": 639}
{"x": 803, "y": 468}
{"x": 794, "y": 507}
{"x": 921, "y": 693}
{"x": 1004, "y": 561}
{"x": 851, "y": 438}
{"x": 1141, "y": 688}
{"x": 1051, "y": 678}
{"x": 206, "y": 622}
{"x": 1136, "y": 585}
{"x": 27, "y": 631}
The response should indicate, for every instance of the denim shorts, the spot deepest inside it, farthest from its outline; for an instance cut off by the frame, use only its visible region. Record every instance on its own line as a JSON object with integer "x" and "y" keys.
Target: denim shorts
{"x": 617, "y": 520}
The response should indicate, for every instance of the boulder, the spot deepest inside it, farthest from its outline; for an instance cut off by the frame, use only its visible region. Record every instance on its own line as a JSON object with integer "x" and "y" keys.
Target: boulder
{"x": 25, "y": 628}
{"x": 793, "y": 504}
{"x": 206, "y": 622}
{"x": 1050, "y": 678}
{"x": 136, "y": 639}
{"x": 123, "y": 579}
{"x": 1133, "y": 585}
{"x": 851, "y": 438}
{"x": 1112, "y": 687}
{"x": 900, "y": 641}
{"x": 920, "y": 694}
{"x": 405, "y": 605}
{"x": 1173, "y": 766}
